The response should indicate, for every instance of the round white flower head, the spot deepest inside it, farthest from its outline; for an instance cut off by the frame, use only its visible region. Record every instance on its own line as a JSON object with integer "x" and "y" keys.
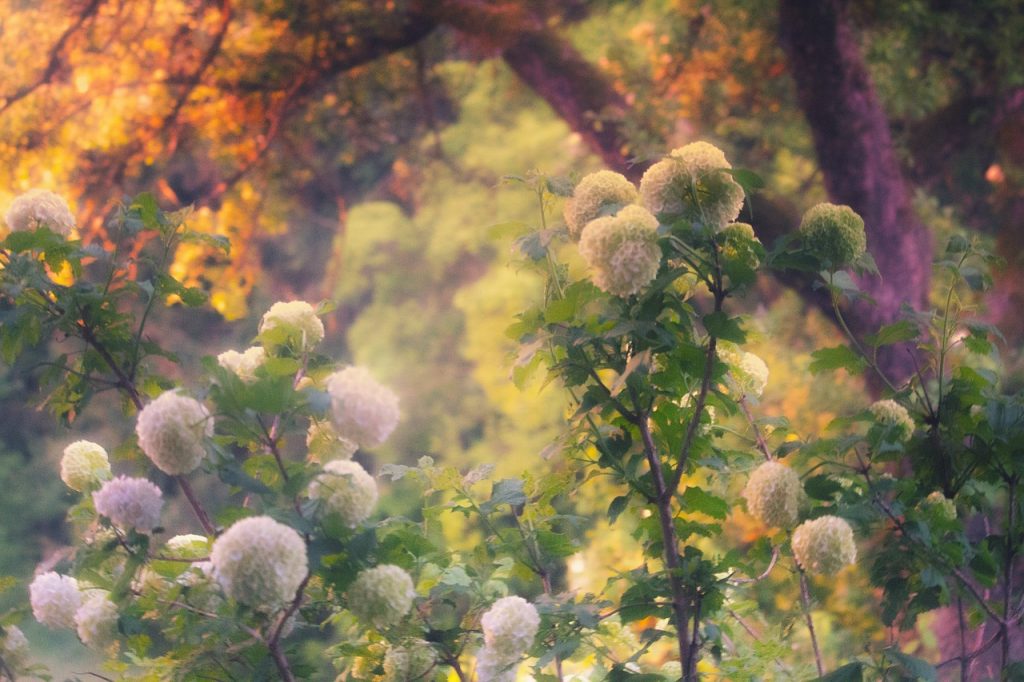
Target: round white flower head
{"x": 187, "y": 547}
{"x": 54, "y": 599}
{"x": 14, "y": 646}
{"x": 345, "y": 489}
{"x": 381, "y": 595}
{"x": 834, "y": 233}
{"x": 260, "y": 562}
{"x": 690, "y": 183}
{"x": 96, "y": 620}
{"x": 130, "y": 503}
{"x": 891, "y": 413}
{"x": 84, "y": 466}
{"x": 364, "y": 411}
{"x": 622, "y": 250}
{"x": 593, "y": 193}
{"x": 824, "y": 545}
{"x": 324, "y": 444}
{"x": 510, "y": 626}
{"x": 773, "y": 495}
{"x": 414, "y": 660}
{"x": 244, "y": 364}
{"x": 492, "y": 667}
{"x": 944, "y": 507}
{"x": 171, "y": 432}
{"x": 298, "y": 319}
{"x": 40, "y": 208}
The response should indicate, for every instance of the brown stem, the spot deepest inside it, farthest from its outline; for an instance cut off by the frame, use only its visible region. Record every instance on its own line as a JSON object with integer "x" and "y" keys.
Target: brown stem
{"x": 124, "y": 383}
{"x": 274, "y": 642}
{"x": 761, "y": 444}
{"x": 680, "y": 603}
{"x": 805, "y": 599}
{"x": 1008, "y": 570}
{"x": 201, "y": 515}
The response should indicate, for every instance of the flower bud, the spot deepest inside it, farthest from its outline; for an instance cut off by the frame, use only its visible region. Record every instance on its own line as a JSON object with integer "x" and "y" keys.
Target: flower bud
{"x": 773, "y": 495}
{"x": 84, "y": 466}
{"x": 298, "y": 319}
{"x": 382, "y": 595}
{"x": 833, "y": 233}
{"x": 891, "y": 413}
{"x": 346, "y": 489}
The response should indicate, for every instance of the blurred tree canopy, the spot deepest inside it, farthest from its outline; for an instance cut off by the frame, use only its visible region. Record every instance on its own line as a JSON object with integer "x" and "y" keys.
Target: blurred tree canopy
{"x": 356, "y": 151}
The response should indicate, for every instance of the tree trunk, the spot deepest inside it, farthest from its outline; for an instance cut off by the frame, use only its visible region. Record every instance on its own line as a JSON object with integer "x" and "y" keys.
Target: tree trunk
{"x": 856, "y": 156}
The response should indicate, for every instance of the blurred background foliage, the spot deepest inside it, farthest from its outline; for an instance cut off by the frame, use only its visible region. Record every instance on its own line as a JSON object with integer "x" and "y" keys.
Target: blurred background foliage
{"x": 358, "y": 151}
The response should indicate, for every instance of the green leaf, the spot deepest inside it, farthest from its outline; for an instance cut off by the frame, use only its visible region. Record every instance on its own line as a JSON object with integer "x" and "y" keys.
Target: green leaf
{"x": 506, "y": 491}
{"x": 821, "y": 487}
{"x": 699, "y": 500}
{"x": 724, "y": 327}
{"x": 556, "y": 545}
{"x": 919, "y": 669}
{"x": 897, "y": 332}
{"x": 616, "y": 508}
{"x": 747, "y": 179}
{"x": 851, "y": 672}
{"x": 844, "y": 357}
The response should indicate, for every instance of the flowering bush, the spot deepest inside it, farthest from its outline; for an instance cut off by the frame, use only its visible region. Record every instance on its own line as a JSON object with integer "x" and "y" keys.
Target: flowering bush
{"x": 289, "y": 548}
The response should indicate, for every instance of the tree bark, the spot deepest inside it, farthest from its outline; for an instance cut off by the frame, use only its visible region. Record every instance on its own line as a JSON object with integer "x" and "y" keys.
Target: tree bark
{"x": 855, "y": 153}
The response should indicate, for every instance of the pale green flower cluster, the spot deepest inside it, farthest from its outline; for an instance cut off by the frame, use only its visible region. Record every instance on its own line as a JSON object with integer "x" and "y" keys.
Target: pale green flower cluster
{"x": 412, "y": 661}
{"x": 96, "y": 620}
{"x": 834, "y": 233}
{"x": 260, "y": 562}
{"x": 40, "y": 208}
{"x": 381, "y": 595}
{"x": 130, "y": 503}
{"x": 509, "y": 626}
{"x": 244, "y": 364}
{"x": 187, "y": 547}
{"x": 738, "y": 240}
{"x": 363, "y": 410}
{"x": 824, "y": 545}
{"x": 690, "y": 183}
{"x": 55, "y": 599}
{"x": 943, "y": 506}
{"x": 84, "y": 466}
{"x": 300, "y": 321}
{"x": 891, "y": 413}
{"x": 773, "y": 495}
{"x": 595, "y": 192}
{"x": 172, "y": 431}
{"x": 324, "y": 444}
{"x": 345, "y": 488}
{"x": 749, "y": 373}
{"x": 622, "y": 250}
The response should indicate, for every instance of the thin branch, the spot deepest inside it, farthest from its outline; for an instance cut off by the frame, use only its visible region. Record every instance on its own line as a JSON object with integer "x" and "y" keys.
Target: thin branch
{"x": 805, "y": 599}
{"x": 197, "y": 507}
{"x": 761, "y": 444}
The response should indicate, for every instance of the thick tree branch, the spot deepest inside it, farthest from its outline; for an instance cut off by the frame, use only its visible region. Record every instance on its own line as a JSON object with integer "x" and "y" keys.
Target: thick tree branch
{"x": 857, "y": 159}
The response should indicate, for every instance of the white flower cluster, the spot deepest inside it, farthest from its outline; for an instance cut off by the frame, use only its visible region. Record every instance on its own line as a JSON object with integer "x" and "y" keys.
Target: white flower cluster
{"x": 40, "y": 208}
{"x": 891, "y": 413}
{"x": 298, "y": 319}
{"x": 260, "y": 562}
{"x": 412, "y": 661}
{"x": 824, "y": 545}
{"x": 244, "y": 364}
{"x": 364, "y": 411}
{"x": 96, "y": 620}
{"x": 130, "y": 503}
{"x": 773, "y": 495}
{"x": 593, "y": 193}
{"x": 691, "y": 183}
{"x": 324, "y": 444}
{"x": 55, "y": 599}
{"x": 622, "y": 250}
{"x": 382, "y": 595}
{"x": 346, "y": 489}
{"x": 84, "y": 466}
{"x": 172, "y": 430}
{"x": 510, "y": 626}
